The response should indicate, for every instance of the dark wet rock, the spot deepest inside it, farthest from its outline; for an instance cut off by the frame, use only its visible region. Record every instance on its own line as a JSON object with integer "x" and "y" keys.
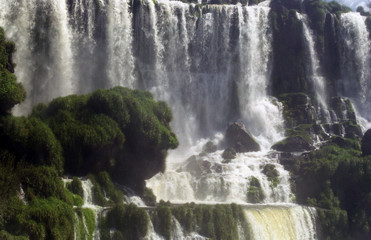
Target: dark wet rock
{"x": 366, "y": 143}
{"x": 240, "y": 139}
{"x": 293, "y": 144}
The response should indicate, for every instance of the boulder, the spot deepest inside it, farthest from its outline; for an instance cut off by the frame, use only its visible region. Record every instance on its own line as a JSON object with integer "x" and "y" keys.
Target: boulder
{"x": 366, "y": 143}
{"x": 293, "y": 144}
{"x": 240, "y": 139}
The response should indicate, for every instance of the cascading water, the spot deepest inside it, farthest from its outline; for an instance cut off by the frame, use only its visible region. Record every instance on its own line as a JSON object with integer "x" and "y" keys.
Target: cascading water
{"x": 355, "y": 62}
{"x": 282, "y": 223}
{"x": 87, "y": 187}
{"x": 211, "y": 64}
{"x": 44, "y": 55}
{"x": 209, "y": 179}
{"x": 209, "y": 55}
{"x": 315, "y": 75}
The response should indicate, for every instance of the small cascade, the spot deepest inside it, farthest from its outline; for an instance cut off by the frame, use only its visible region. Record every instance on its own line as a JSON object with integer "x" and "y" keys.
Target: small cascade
{"x": 282, "y": 223}
{"x": 87, "y": 187}
{"x": 209, "y": 179}
{"x": 152, "y": 235}
{"x": 257, "y": 109}
{"x": 177, "y": 232}
{"x": 355, "y": 61}
{"x": 121, "y": 61}
{"x": 318, "y": 81}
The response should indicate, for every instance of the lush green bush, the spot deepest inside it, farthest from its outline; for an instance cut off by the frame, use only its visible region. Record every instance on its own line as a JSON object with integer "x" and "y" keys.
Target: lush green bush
{"x": 125, "y": 132}
{"x": 11, "y": 92}
{"x": 132, "y": 222}
{"x": 337, "y": 180}
{"x": 41, "y": 182}
{"x": 163, "y": 221}
{"x": 255, "y": 193}
{"x": 31, "y": 141}
{"x": 76, "y": 187}
{"x": 221, "y": 222}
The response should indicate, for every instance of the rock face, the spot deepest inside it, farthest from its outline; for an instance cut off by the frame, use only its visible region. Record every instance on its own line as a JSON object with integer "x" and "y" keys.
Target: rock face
{"x": 240, "y": 139}
{"x": 293, "y": 144}
{"x": 366, "y": 143}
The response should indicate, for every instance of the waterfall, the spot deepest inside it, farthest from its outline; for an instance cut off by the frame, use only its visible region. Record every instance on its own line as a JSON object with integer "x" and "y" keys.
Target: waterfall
{"x": 211, "y": 64}
{"x": 258, "y": 111}
{"x": 207, "y": 62}
{"x": 315, "y": 75}
{"x": 44, "y": 55}
{"x": 209, "y": 179}
{"x": 355, "y": 62}
{"x": 87, "y": 187}
{"x": 121, "y": 61}
{"x": 282, "y": 223}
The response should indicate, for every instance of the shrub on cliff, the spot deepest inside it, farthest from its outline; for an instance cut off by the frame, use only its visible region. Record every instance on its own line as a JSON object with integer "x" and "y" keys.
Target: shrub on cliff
{"x": 338, "y": 181}
{"x": 30, "y": 140}
{"x": 11, "y": 92}
{"x": 125, "y": 132}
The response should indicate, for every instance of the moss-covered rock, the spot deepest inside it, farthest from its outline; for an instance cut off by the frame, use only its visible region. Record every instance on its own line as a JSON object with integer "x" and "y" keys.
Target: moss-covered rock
{"x": 76, "y": 187}
{"x": 255, "y": 193}
{"x": 293, "y": 144}
{"x": 228, "y": 155}
{"x": 271, "y": 172}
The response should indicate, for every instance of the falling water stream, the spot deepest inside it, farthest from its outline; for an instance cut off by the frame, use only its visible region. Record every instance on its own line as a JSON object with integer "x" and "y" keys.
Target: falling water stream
{"x": 211, "y": 64}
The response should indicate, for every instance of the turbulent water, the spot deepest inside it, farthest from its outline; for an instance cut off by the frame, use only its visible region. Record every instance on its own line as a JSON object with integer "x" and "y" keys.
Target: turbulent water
{"x": 355, "y": 62}
{"x": 317, "y": 79}
{"x": 212, "y": 65}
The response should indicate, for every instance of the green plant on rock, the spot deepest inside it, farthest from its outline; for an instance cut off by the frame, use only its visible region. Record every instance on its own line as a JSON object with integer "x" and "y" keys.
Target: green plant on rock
{"x": 131, "y": 221}
{"x": 255, "y": 193}
{"x": 76, "y": 187}
{"x": 271, "y": 172}
{"x": 11, "y": 92}
{"x": 30, "y": 140}
{"x": 89, "y": 218}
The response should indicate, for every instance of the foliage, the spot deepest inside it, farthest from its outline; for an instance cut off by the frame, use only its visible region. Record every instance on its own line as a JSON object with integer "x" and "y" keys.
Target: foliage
{"x": 48, "y": 219}
{"x": 271, "y": 172}
{"x": 338, "y": 181}
{"x": 31, "y": 141}
{"x": 255, "y": 193}
{"x": 11, "y": 92}
{"x": 125, "y": 132}
{"x": 163, "y": 221}
{"x": 89, "y": 218}
{"x": 131, "y": 221}
{"x": 215, "y": 222}
{"x": 76, "y": 187}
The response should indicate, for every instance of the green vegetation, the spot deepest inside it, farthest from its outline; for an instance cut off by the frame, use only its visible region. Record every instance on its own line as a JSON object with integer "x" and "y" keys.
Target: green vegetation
{"x": 271, "y": 172}
{"x": 124, "y": 132}
{"x": 255, "y": 193}
{"x": 219, "y": 222}
{"x": 130, "y": 221}
{"x": 11, "y": 92}
{"x": 228, "y": 155}
{"x": 118, "y": 133}
{"x": 337, "y": 180}
{"x": 76, "y": 187}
